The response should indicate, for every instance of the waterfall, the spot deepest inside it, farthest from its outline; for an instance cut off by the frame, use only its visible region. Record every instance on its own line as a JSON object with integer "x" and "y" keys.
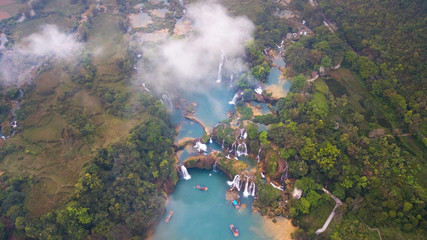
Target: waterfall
{"x": 233, "y": 101}
{"x": 258, "y": 90}
{"x": 235, "y": 183}
{"x": 222, "y": 146}
{"x": 210, "y": 140}
{"x": 253, "y": 189}
{"x": 201, "y": 147}
{"x": 214, "y": 168}
{"x": 284, "y": 174}
{"x": 243, "y": 134}
{"x": 166, "y": 100}
{"x": 185, "y": 173}
{"x": 231, "y": 80}
{"x": 221, "y": 62}
{"x": 276, "y": 187}
{"x": 146, "y": 89}
{"x": 257, "y": 157}
{"x": 242, "y": 150}
{"x": 233, "y": 147}
{"x": 246, "y": 192}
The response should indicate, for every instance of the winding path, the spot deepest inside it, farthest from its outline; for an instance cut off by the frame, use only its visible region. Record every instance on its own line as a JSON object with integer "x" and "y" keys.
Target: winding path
{"x": 337, "y": 203}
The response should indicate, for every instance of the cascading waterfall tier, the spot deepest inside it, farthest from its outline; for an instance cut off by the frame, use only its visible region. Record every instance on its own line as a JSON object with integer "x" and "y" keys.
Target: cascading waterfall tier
{"x": 166, "y": 100}
{"x": 252, "y": 189}
{"x": 284, "y": 174}
{"x": 221, "y": 63}
{"x": 257, "y": 157}
{"x": 185, "y": 173}
{"x": 276, "y": 187}
{"x": 246, "y": 191}
{"x": 238, "y": 182}
{"x": 233, "y": 101}
{"x": 242, "y": 149}
{"x": 235, "y": 183}
{"x": 214, "y": 168}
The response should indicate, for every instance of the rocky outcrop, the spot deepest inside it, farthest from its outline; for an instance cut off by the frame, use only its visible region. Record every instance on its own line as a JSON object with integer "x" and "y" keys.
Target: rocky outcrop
{"x": 230, "y": 167}
{"x": 200, "y": 161}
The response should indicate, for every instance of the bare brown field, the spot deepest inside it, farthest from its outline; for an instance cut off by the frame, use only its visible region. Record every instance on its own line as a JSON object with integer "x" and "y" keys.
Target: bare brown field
{"x": 4, "y": 15}
{"x": 6, "y": 2}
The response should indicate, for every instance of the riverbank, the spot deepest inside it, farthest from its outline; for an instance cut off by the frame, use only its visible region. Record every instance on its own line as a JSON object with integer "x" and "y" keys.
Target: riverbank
{"x": 282, "y": 229}
{"x": 195, "y": 119}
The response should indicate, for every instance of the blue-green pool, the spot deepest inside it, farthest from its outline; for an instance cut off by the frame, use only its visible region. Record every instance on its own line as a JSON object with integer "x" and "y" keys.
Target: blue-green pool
{"x": 207, "y": 215}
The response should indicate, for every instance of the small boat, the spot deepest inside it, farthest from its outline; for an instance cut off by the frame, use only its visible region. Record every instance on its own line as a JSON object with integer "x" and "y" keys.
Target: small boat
{"x": 234, "y": 230}
{"x": 169, "y": 217}
{"x": 236, "y": 204}
{"x": 201, "y": 187}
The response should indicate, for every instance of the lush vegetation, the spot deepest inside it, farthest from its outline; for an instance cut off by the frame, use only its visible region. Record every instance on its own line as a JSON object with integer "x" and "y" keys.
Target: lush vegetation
{"x": 359, "y": 130}
{"x": 120, "y": 192}
{"x": 92, "y": 156}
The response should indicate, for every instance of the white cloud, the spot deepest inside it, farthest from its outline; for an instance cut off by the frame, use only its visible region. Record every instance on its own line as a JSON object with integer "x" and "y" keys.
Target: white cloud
{"x": 194, "y": 60}
{"x": 20, "y": 64}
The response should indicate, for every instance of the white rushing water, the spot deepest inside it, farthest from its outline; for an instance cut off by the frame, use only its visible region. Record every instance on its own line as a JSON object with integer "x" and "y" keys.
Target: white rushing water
{"x": 201, "y": 147}
{"x": 167, "y": 101}
{"x": 252, "y": 189}
{"x": 276, "y": 187}
{"x": 242, "y": 149}
{"x": 257, "y": 157}
{"x": 246, "y": 191}
{"x": 185, "y": 173}
{"x": 221, "y": 63}
{"x": 235, "y": 183}
{"x": 233, "y": 101}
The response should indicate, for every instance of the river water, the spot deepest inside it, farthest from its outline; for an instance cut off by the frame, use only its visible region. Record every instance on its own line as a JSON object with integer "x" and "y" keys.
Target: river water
{"x": 206, "y": 214}
{"x": 212, "y": 103}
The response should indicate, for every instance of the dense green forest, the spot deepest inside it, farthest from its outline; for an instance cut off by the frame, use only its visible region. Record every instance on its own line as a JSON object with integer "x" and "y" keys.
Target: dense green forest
{"x": 359, "y": 130}
{"x": 120, "y": 192}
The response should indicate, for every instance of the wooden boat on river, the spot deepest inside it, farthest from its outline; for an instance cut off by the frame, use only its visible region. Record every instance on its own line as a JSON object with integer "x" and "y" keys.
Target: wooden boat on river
{"x": 168, "y": 218}
{"x": 236, "y": 204}
{"x": 201, "y": 187}
{"x": 234, "y": 230}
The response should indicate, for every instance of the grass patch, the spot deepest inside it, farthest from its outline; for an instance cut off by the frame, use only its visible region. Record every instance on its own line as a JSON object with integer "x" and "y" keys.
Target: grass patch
{"x": 28, "y": 27}
{"x": 337, "y": 89}
{"x": 105, "y": 32}
{"x": 321, "y": 86}
{"x": 50, "y": 132}
{"x": 360, "y": 99}
{"x": 63, "y": 7}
